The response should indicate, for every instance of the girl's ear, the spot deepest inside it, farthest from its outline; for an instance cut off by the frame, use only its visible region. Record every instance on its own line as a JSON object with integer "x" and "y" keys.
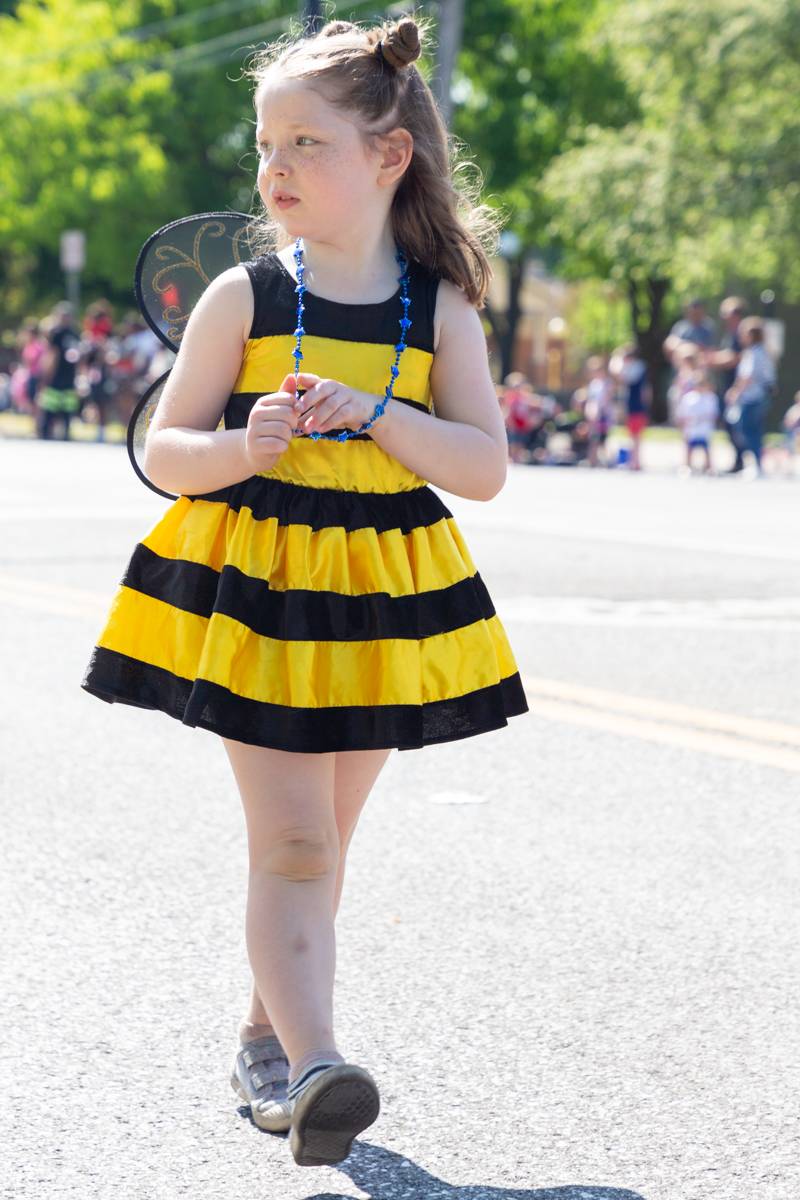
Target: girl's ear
{"x": 397, "y": 148}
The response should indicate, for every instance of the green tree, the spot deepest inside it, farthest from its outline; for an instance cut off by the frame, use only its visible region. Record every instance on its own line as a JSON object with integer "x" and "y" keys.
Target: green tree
{"x": 527, "y": 82}
{"x": 701, "y": 188}
{"x": 115, "y": 119}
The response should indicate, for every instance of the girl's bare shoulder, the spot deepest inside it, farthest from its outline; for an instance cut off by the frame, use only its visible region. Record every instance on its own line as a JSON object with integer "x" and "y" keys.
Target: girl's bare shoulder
{"x": 454, "y": 316}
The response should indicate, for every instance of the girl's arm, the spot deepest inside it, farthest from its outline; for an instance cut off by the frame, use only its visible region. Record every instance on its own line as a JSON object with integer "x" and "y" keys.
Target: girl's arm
{"x": 463, "y": 448}
{"x": 184, "y": 452}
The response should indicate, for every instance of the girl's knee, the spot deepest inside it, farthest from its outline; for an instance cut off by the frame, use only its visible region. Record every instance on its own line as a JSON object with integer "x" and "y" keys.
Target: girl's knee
{"x": 300, "y": 853}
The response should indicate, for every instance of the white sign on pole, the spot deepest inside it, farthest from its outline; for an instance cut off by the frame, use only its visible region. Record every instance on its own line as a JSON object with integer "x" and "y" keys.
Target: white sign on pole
{"x": 73, "y": 250}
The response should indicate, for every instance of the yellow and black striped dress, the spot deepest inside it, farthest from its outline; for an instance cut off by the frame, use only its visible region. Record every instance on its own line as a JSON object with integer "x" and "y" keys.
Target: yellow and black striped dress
{"x": 330, "y": 603}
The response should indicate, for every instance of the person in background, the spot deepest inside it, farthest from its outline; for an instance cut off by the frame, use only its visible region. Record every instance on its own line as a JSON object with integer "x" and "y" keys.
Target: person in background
{"x": 726, "y": 359}
{"x": 32, "y": 349}
{"x": 95, "y": 383}
{"x": 518, "y": 414}
{"x": 98, "y": 322}
{"x": 749, "y": 397}
{"x": 687, "y": 362}
{"x": 630, "y": 370}
{"x": 790, "y": 424}
{"x": 58, "y": 398}
{"x": 599, "y": 409}
{"x": 696, "y": 414}
{"x": 694, "y": 326}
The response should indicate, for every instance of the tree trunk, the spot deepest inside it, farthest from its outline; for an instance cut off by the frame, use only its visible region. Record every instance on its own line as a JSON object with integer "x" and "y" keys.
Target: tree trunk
{"x": 647, "y": 322}
{"x": 504, "y": 325}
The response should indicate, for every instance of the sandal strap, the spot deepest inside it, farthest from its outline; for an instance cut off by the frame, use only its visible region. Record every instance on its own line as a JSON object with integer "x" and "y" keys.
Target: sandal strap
{"x": 264, "y": 1073}
{"x": 263, "y": 1050}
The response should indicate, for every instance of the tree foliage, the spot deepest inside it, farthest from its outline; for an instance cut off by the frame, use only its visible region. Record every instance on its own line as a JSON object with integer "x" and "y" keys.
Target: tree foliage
{"x": 527, "y": 83}
{"x": 703, "y": 186}
{"x": 115, "y": 119}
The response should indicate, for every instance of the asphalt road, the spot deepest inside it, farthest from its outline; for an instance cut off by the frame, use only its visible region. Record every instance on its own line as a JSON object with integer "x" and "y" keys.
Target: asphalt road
{"x": 567, "y": 950}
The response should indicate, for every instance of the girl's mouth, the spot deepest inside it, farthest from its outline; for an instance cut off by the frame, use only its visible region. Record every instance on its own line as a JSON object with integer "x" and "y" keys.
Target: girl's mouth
{"x": 286, "y": 201}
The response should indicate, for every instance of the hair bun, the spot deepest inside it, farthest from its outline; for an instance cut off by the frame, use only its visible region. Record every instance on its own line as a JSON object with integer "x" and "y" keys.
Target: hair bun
{"x": 400, "y": 43}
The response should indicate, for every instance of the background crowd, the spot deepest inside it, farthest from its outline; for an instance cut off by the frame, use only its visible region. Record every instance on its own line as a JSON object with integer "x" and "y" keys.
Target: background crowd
{"x": 726, "y": 383}
{"x": 93, "y": 370}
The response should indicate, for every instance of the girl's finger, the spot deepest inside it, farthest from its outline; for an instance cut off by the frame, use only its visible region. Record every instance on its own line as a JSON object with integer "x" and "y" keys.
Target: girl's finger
{"x": 321, "y": 391}
{"x": 323, "y": 419}
{"x": 306, "y": 379}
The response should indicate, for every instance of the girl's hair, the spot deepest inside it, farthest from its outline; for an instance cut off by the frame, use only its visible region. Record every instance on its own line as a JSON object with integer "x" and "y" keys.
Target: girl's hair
{"x": 752, "y": 327}
{"x": 436, "y": 218}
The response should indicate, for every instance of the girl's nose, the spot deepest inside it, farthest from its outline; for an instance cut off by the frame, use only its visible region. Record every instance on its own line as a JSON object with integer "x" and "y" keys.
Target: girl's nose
{"x": 275, "y": 164}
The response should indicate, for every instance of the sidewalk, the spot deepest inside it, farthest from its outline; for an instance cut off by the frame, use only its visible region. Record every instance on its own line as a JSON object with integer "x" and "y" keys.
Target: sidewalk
{"x": 662, "y": 447}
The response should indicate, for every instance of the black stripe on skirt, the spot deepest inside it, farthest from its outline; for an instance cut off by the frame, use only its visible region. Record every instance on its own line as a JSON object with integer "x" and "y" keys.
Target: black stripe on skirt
{"x": 326, "y": 508}
{"x": 301, "y": 614}
{"x": 210, "y": 706}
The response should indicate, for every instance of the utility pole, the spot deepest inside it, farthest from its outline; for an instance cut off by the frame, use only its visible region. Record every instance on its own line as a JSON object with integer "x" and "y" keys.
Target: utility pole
{"x": 451, "y": 23}
{"x": 311, "y": 12}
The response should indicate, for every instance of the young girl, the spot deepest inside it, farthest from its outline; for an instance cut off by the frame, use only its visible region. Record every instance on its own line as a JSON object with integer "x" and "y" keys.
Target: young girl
{"x": 308, "y": 597}
{"x": 696, "y": 413}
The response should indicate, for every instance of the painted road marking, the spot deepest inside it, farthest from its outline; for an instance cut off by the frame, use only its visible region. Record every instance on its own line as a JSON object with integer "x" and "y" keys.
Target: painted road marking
{"x": 727, "y": 735}
{"x": 592, "y": 712}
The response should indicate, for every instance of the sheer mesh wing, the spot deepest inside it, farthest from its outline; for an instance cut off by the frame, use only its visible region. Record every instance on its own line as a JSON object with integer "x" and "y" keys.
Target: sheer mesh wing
{"x": 138, "y": 426}
{"x": 177, "y": 263}
{"x": 174, "y": 267}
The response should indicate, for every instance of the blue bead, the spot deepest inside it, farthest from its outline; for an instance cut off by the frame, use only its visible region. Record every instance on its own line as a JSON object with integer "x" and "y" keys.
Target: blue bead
{"x": 404, "y": 323}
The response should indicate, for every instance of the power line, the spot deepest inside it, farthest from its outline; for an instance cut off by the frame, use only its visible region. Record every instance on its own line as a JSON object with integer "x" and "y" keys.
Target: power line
{"x": 195, "y": 50}
{"x": 188, "y": 57}
{"x": 142, "y": 32}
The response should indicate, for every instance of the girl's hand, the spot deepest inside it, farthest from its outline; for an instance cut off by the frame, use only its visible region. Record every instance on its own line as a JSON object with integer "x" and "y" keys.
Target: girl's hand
{"x": 332, "y": 405}
{"x": 271, "y": 424}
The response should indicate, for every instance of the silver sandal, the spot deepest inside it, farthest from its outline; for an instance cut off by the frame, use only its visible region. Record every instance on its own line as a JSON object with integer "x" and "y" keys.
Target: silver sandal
{"x": 261, "y": 1077}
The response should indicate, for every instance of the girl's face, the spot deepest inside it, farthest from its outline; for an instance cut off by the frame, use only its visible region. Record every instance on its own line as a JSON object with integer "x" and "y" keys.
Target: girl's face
{"x": 311, "y": 151}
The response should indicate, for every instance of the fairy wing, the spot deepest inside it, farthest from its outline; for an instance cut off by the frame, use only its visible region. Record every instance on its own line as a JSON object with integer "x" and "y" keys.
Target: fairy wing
{"x": 175, "y": 266}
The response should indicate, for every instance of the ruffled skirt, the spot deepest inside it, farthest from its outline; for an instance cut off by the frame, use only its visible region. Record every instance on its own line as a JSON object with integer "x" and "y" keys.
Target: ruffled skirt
{"x": 310, "y": 620}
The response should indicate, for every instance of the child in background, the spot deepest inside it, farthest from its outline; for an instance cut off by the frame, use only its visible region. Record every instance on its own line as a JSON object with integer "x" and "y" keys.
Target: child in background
{"x": 518, "y": 414}
{"x": 630, "y": 370}
{"x": 688, "y": 360}
{"x": 599, "y": 408}
{"x": 696, "y": 415}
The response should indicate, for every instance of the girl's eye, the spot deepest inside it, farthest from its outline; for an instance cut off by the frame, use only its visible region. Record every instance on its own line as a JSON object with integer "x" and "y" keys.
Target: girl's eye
{"x": 302, "y": 137}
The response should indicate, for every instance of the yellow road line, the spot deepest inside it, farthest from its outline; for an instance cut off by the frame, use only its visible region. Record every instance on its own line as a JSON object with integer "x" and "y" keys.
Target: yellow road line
{"x": 724, "y": 745}
{"x": 727, "y": 735}
{"x": 663, "y": 710}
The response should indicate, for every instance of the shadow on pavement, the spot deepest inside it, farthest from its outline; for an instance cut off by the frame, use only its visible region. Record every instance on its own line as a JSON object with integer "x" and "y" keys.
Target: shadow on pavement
{"x": 384, "y": 1175}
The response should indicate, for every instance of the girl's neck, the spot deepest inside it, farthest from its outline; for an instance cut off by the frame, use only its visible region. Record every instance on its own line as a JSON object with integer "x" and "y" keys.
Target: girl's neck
{"x": 364, "y": 272}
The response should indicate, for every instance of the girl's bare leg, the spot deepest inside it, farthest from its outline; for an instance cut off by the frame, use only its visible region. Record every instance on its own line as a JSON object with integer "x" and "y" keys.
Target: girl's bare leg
{"x": 293, "y": 847}
{"x": 355, "y": 773}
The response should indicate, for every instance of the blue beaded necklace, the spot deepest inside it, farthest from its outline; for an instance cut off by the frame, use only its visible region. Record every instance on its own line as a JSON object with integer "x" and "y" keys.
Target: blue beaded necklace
{"x": 404, "y": 323}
